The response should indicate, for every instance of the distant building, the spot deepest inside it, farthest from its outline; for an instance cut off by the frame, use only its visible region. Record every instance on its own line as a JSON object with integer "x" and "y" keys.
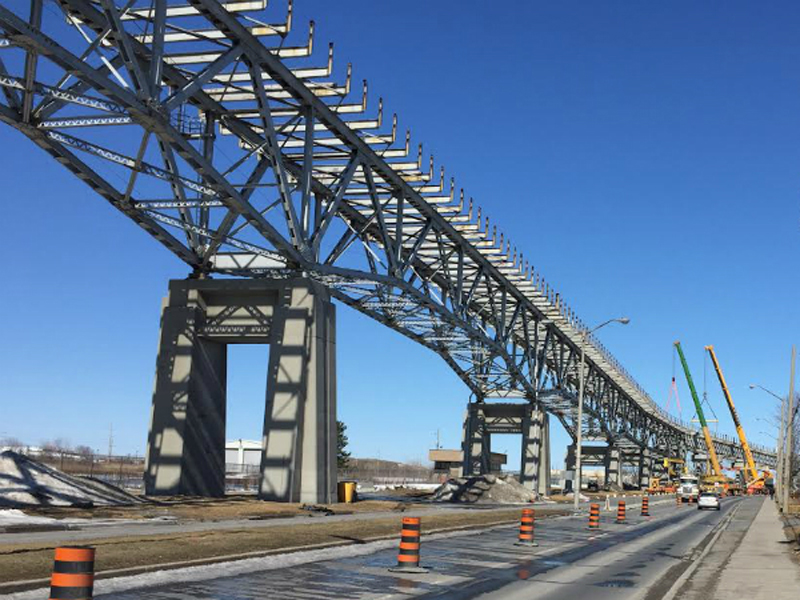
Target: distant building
{"x": 451, "y": 461}
{"x": 242, "y": 456}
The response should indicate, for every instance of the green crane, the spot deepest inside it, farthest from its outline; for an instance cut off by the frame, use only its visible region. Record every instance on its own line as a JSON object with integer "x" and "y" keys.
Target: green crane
{"x": 712, "y": 452}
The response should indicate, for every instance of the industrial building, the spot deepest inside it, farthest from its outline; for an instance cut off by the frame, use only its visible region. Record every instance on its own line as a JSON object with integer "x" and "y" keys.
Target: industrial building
{"x": 451, "y": 462}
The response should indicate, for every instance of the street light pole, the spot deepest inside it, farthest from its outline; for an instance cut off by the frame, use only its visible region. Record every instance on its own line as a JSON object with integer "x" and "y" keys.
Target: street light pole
{"x": 576, "y": 488}
{"x": 779, "y": 466}
{"x": 787, "y": 454}
{"x": 576, "y": 492}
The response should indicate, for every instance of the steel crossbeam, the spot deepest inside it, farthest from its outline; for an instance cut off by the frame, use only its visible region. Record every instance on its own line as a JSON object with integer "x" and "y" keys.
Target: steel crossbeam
{"x": 265, "y": 167}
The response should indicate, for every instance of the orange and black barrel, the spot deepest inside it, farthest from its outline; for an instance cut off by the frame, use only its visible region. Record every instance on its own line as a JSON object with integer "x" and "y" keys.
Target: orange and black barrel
{"x": 73, "y": 573}
{"x": 594, "y": 516}
{"x": 408, "y": 556}
{"x": 645, "y": 506}
{"x": 621, "y": 511}
{"x": 526, "y": 528}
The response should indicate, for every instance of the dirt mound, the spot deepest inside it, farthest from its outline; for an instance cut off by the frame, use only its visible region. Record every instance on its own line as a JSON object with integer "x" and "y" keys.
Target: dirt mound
{"x": 484, "y": 489}
{"x": 26, "y": 482}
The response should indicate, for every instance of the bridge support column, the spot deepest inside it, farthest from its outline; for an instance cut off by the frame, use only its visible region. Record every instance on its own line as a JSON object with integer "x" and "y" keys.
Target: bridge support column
{"x": 476, "y": 442}
{"x": 299, "y": 460}
{"x": 645, "y": 468}
{"x": 535, "y": 465}
{"x": 613, "y": 468}
{"x": 569, "y": 470}
{"x": 186, "y": 442}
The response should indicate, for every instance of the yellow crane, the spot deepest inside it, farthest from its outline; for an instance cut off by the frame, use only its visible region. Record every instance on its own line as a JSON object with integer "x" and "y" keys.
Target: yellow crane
{"x": 753, "y": 479}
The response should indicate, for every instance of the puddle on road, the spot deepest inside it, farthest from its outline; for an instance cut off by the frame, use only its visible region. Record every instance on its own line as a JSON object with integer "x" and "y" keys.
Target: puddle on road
{"x": 617, "y": 583}
{"x": 554, "y": 562}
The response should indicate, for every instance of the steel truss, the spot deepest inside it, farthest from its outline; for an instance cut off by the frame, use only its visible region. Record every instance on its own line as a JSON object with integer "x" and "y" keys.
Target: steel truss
{"x": 198, "y": 122}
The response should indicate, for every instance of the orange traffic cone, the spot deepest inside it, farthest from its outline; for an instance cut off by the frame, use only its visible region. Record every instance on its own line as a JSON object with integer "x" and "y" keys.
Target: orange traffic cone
{"x": 526, "y": 525}
{"x": 408, "y": 556}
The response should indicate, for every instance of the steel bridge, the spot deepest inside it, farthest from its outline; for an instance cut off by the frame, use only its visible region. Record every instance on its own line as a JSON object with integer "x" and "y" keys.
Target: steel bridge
{"x": 253, "y": 158}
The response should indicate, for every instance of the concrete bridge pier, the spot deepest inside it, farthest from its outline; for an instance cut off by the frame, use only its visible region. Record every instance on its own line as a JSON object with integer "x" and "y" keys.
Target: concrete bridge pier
{"x": 645, "y": 468}
{"x": 299, "y": 439}
{"x": 483, "y": 419}
{"x": 186, "y": 442}
{"x": 591, "y": 456}
{"x": 535, "y": 463}
{"x": 613, "y": 468}
{"x": 476, "y": 442}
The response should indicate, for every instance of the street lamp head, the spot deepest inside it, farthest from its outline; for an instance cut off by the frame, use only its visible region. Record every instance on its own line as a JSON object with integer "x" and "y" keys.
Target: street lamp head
{"x": 624, "y": 320}
{"x": 752, "y": 386}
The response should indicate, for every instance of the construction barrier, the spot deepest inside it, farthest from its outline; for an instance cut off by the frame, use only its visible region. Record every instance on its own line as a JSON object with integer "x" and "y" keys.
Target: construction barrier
{"x": 594, "y": 516}
{"x": 645, "y": 506}
{"x": 621, "y": 511}
{"x": 408, "y": 556}
{"x": 73, "y": 573}
{"x": 526, "y": 528}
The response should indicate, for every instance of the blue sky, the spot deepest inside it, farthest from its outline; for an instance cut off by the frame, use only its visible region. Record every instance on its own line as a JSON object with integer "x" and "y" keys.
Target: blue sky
{"x": 643, "y": 156}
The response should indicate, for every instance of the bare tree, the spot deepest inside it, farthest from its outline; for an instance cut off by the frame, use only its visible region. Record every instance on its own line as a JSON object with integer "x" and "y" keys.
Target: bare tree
{"x": 84, "y": 451}
{"x": 794, "y": 462}
{"x": 56, "y": 446}
{"x": 11, "y": 443}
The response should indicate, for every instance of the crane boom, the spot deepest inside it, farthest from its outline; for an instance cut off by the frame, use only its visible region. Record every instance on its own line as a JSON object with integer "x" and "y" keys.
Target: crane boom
{"x": 712, "y": 452}
{"x": 750, "y": 464}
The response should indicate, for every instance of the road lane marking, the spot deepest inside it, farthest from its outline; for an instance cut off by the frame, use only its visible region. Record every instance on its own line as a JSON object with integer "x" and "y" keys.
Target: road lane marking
{"x": 697, "y": 559}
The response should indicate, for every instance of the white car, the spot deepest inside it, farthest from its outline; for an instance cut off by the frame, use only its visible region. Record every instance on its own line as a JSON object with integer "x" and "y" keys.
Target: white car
{"x": 708, "y": 500}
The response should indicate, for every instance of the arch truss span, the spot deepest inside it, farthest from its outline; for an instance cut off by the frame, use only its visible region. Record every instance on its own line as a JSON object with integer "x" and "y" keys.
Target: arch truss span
{"x": 216, "y": 128}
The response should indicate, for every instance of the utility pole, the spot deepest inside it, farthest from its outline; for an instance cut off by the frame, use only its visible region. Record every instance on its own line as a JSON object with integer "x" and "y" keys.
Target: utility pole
{"x": 787, "y": 454}
{"x": 110, "y": 440}
{"x": 781, "y": 448}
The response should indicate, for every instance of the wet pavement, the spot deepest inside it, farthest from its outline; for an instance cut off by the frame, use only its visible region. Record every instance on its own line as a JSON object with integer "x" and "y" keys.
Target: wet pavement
{"x": 619, "y": 561}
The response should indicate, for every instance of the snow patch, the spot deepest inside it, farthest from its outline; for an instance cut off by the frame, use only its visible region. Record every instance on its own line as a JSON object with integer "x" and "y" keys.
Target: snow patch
{"x": 484, "y": 489}
{"x": 26, "y": 482}
{"x": 17, "y": 517}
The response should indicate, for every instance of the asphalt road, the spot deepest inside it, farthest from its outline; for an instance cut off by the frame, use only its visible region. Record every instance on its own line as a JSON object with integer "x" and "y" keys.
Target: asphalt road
{"x": 646, "y": 559}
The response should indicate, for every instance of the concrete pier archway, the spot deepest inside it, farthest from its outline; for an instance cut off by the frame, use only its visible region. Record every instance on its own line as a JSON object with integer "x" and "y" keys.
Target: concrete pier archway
{"x": 185, "y": 449}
